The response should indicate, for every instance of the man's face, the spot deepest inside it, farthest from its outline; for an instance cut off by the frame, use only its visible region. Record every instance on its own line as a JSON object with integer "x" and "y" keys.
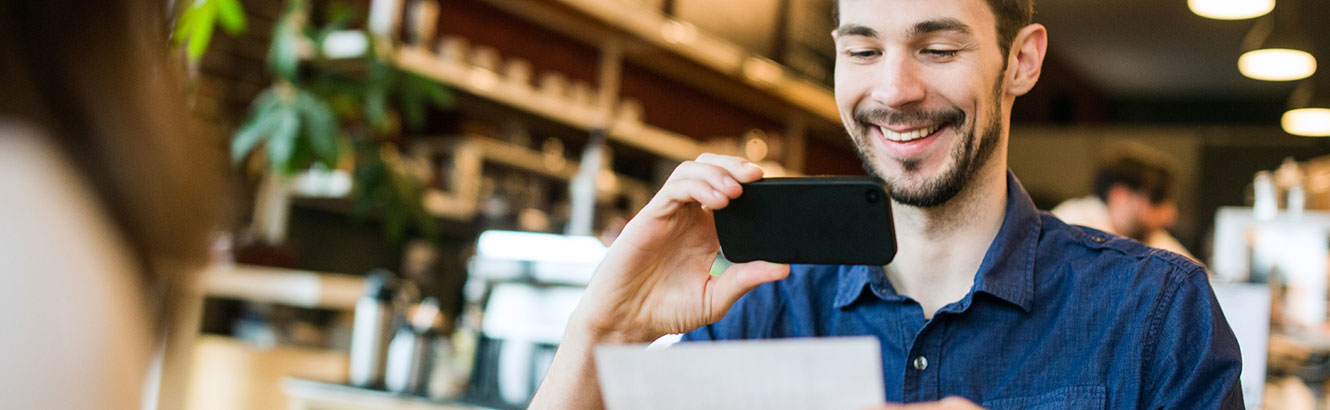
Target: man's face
{"x": 920, "y": 91}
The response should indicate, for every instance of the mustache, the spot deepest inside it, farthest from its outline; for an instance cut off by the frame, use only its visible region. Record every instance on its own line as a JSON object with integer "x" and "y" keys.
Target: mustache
{"x": 868, "y": 117}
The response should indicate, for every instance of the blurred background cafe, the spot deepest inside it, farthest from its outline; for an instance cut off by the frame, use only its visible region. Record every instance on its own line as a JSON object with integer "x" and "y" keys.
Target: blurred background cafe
{"x": 419, "y": 189}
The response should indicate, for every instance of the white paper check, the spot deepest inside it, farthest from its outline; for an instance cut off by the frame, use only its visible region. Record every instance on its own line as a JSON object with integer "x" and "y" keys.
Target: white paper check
{"x": 786, "y": 374}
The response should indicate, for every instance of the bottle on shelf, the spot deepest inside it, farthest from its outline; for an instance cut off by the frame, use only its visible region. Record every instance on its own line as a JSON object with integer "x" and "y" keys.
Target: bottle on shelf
{"x": 412, "y": 351}
{"x": 371, "y": 332}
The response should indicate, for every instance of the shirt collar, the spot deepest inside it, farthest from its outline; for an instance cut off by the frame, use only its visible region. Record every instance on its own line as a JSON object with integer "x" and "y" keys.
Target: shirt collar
{"x": 1007, "y": 270}
{"x": 854, "y": 279}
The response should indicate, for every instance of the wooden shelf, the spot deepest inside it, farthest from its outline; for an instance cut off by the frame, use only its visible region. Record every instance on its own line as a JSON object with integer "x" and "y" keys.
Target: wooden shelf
{"x": 291, "y": 287}
{"x": 227, "y": 373}
{"x": 488, "y": 84}
{"x": 523, "y": 158}
{"x": 683, "y": 40}
{"x": 526, "y": 159}
{"x": 461, "y": 205}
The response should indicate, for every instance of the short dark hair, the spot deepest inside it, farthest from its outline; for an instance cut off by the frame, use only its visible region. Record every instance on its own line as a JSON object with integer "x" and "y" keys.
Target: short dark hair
{"x": 1012, "y": 16}
{"x": 1145, "y": 177}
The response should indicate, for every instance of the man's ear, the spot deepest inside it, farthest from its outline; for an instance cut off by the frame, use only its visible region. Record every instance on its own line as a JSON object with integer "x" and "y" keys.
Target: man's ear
{"x": 1026, "y": 61}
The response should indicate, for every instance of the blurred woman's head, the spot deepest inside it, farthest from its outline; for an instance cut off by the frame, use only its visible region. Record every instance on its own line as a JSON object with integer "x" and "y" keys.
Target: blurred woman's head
{"x": 107, "y": 198}
{"x": 97, "y": 78}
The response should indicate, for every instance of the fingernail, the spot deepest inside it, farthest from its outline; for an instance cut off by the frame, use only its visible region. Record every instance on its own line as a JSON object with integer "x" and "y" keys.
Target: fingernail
{"x": 730, "y": 182}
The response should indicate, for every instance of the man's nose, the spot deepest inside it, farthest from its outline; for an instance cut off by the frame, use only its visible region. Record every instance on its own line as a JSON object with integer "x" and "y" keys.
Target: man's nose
{"x": 898, "y": 82}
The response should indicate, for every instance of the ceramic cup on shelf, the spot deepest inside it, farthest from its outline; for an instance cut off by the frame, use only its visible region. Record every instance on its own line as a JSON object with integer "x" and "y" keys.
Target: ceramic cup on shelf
{"x": 580, "y": 94}
{"x": 517, "y": 72}
{"x": 424, "y": 18}
{"x": 553, "y": 85}
{"x": 630, "y": 112}
{"x": 453, "y": 50}
{"x": 485, "y": 57}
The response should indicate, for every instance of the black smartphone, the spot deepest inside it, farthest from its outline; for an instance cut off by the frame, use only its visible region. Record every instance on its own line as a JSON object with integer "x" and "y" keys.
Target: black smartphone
{"x": 809, "y": 220}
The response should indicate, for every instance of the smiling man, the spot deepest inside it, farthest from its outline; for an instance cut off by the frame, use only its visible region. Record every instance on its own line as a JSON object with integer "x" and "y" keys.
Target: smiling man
{"x": 988, "y": 301}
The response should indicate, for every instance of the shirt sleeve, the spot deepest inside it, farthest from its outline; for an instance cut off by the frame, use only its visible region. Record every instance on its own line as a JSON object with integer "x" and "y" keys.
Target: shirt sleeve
{"x": 732, "y": 326}
{"x": 1163, "y": 240}
{"x": 700, "y": 335}
{"x": 1191, "y": 357}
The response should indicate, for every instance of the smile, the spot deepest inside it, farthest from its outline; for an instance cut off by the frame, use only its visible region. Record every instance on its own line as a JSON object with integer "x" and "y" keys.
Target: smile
{"x": 910, "y": 135}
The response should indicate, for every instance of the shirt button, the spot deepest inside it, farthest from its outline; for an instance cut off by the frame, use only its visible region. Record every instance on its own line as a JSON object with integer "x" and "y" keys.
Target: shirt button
{"x": 1098, "y": 239}
{"x": 920, "y": 363}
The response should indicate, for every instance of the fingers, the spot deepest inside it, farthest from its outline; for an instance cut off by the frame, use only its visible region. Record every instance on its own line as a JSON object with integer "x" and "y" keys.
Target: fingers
{"x": 738, "y": 280}
{"x": 740, "y": 169}
{"x": 694, "y": 190}
{"x": 719, "y": 178}
{"x": 712, "y": 180}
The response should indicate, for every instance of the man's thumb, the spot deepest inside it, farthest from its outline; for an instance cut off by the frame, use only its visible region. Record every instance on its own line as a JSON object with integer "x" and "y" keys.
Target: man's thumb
{"x": 738, "y": 280}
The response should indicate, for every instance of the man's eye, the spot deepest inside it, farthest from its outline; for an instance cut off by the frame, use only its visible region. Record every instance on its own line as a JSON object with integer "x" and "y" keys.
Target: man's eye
{"x": 941, "y": 53}
{"x": 862, "y": 53}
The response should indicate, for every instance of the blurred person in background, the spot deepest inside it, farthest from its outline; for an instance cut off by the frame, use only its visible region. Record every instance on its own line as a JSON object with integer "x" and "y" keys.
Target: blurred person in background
{"x": 106, "y": 201}
{"x": 1133, "y": 197}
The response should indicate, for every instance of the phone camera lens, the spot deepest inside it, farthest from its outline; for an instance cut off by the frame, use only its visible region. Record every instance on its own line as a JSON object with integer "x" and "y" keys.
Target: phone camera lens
{"x": 872, "y": 196}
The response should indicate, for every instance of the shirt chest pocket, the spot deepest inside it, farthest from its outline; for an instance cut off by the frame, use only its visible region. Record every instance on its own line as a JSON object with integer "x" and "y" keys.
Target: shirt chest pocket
{"x": 1066, "y": 398}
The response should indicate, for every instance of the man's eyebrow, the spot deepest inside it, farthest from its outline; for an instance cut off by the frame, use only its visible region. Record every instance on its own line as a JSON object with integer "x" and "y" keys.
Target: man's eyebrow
{"x": 855, "y": 30}
{"x": 936, "y": 25}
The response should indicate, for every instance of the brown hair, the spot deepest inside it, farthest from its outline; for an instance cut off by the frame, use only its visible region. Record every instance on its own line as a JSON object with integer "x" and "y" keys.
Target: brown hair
{"x": 96, "y": 77}
{"x": 1142, "y": 175}
{"x": 1012, "y": 16}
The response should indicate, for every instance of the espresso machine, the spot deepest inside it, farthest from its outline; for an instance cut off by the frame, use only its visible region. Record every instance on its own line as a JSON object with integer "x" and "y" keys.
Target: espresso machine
{"x": 524, "y": 286}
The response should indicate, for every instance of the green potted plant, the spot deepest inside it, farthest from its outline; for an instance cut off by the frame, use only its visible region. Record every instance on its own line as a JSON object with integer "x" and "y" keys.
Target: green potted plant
{"x": 325, "y": 113}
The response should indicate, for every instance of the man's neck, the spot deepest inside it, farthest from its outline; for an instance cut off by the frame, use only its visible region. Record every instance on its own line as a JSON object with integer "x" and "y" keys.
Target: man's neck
{"x": 940, "y": 248}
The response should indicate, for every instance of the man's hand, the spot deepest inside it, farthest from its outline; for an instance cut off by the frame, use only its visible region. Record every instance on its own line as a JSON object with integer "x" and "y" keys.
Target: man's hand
{"x": 656, "y": 278}
{"x": 949, "y": 403}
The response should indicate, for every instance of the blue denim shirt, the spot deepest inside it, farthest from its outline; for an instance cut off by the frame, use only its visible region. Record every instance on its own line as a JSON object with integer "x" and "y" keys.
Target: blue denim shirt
{"x": 1059, "y": 317}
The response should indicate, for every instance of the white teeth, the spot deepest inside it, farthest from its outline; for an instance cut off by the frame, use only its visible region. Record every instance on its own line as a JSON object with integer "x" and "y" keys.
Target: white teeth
{"x": 909, "y": 135}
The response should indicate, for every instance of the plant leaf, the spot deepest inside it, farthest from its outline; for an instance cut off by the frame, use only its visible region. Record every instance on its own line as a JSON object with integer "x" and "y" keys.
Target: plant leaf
{"x": 232, "y": 16}
{"x": 301, "y": 158}
{"x": 408, "y": 198}
{"x": 377, "y": 84}
{"x": 376, "y": 107}
{"x": 413, "y": 107}
{"x": 339, "y": 15}
{"x": 282, "y": 142}
{"x": 200, "y": 32}
{"x": 368, "y": 176}
{"x": 284, "y": 53}
{"x": 394, "y": 222}
{"x": 185, "y": 24}
{"x": 320, "y": 127}
{"x": 256, "y": 127}
{"x": 416, "y": 94}
{"x": 194, "y": 30}
{"x": 439, "y": 95}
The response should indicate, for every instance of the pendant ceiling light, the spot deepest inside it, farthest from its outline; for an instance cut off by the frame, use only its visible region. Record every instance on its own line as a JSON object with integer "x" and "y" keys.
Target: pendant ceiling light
{"x": 1276, "y": 49}
{"x": 1231, "y": 9}
{"x": 1309, "y": 108}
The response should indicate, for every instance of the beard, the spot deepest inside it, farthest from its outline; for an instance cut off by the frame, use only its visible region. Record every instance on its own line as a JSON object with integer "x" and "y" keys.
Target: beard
{"x": 967, "y": 158}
